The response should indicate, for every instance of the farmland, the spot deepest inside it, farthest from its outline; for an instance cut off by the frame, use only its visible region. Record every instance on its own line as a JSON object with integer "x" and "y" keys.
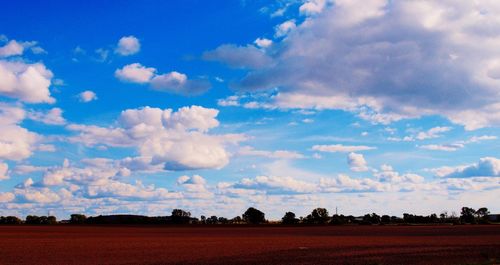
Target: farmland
{"x": 65, "y": 244}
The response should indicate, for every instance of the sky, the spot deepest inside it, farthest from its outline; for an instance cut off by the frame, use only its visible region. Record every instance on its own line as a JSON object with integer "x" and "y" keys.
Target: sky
{"x": 140, "y": 107}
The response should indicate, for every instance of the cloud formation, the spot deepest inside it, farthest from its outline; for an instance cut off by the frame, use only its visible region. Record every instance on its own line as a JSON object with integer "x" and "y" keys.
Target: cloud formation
{"x": 178, "y": 140}
{"x": 24, "y": 81}
{"x": 128, "y": 45}
{"x": 357, "y": 162}
{"x": 341, "y": 148}
{"x": 425, "y": 54}
{"x": 87, "y": 96}
{"x": 172, "y": 82}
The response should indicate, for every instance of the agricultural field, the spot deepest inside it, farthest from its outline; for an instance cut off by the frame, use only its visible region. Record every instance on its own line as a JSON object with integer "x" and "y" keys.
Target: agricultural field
{"x": 267, "y": 244}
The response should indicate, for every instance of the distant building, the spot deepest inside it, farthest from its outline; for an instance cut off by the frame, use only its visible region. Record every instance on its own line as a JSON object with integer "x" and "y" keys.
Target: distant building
{"x": 494, "y": 217}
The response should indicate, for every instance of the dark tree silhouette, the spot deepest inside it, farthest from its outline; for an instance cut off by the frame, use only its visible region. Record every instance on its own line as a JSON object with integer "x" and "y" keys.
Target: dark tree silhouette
{"x": 40, "y": 220}
{"x": 467, "y": 215}
{"x": 289, "y": 218}
{"x": 482, "y": 215}
{"x": 78, "y": 219}
{"x": 318, "y": 216}
{"x": 253, "y": 216}
{"x": 237, "y": 220}
{"x": 386, "y": 219}
{"x": 10, "y": 220}
{"x": 180, "y": 216}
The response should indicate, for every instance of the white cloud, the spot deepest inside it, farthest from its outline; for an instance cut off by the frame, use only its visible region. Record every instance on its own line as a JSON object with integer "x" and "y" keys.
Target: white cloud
{"x": 311, "y": 7}
{"x": 178, "y": 140}
{"x": 458, "y": 144}
{"x": 4, "y": 171}
{"x": 26, "y": 82}
{"x": 121, "y": 190}
{"x": 486, "y": 167}
{"x": 432, "y": 133}
{"x": 274, "y": 184}
{"x": 172, "y": 82}
{"x": 284, "y": 28}
{"x": 6, "y": 197}
{"x": 87, "y": 96}
{"x": 38, "y": 195}
{"x": 11, "y": 48}
{"x": 51, "y": 117}
{"x": 195, "y": 187}
{"x": 135, "y": 73}
{"x": 263, "y": 42}
{"x": 426, "y": 54}
{"x": 442, "y": 147}
{"x": 357, "y": 162}
{"x": 476, "y": 139}
{"x": 229, "y": 101}
{"x": 128, "y": 45}
{"x": 341, "y": 148}
{"x": 16, "y": 143}
{"x": 27, "y": 169}
{"x": 279, "y": 154}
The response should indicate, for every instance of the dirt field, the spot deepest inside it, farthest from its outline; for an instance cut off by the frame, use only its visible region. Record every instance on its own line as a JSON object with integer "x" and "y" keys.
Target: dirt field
{"x": 250, "y": 245}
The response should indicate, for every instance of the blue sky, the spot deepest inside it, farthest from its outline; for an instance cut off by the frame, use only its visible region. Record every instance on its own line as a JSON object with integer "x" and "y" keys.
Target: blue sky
{"x": 142, "y": 107}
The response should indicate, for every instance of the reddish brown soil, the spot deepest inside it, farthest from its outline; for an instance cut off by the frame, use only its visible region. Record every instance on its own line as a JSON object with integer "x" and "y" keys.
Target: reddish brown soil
{"x": 250, "y": 245}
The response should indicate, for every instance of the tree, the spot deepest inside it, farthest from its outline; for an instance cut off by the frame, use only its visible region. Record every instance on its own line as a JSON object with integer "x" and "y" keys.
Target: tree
{"x": 318, "y": 216}
{"x": 77, "y": 219}
{"x": 467, "y": 215}
{"x": 482, "y": 214}
{"x": 180, "y": 216}
{"x": 289, "y": 218}
{"x": 236, "y": 220}
{"x": 253, "y": 216}
{"x": 180, "y": 213}
{"x": 386, "y": 219}
{"x": 10, "y": 220}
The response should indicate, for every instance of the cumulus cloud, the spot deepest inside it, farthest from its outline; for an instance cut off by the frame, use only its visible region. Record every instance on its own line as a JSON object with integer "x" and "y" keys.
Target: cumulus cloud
{"x": 51, "y": 117}
{"x": 172, "y": 82}
{"x": 357, "y": 162}
{"x": 87, "y": 96}
{"x": 139, "y": 191}
{"x": 486, "y": 167}
{"x": 341, "y": 148}
{"x": 263, "y": 42}
{"x": 16, "y": 142}
{"x": 311, "y": 7}
{"x": 178, "y": 140}
{"x": 128, "y": 45}
{"x": 425, "y": 54}
{"x": 195, "y": 187}
{"x": 26, "y": 82}
{"x": 135, "y": 73}
{"x": 11, "y": 48}
{"x": 284, "y": 28}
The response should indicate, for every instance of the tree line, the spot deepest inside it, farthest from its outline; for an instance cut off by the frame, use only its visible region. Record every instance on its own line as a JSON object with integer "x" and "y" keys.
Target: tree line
{"x": 255, "y": 216}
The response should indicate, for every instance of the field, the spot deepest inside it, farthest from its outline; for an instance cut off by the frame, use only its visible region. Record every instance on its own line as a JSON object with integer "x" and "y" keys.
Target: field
{"x": 249, "y": 245}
